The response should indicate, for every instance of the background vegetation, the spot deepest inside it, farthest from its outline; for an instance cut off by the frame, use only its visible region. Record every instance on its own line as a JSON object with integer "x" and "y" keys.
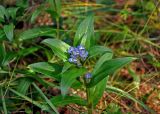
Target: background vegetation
{"x": 29, "y": 69}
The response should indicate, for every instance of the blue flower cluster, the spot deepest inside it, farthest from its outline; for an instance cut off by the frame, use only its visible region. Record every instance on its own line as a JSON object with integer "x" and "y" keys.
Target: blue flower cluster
{"x": 77, "y": 54}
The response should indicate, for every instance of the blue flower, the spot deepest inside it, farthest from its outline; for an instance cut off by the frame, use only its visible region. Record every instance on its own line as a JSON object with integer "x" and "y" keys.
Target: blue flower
{"x": 88, "y": 75}
{"x": 82, "y": 52}
{"x": 70, "y": 50}
{"x": 80, "y": 47}
{"x": 72, "y": 60}
{"x": 84, "y": 55}
{"x": 77, "y": 54}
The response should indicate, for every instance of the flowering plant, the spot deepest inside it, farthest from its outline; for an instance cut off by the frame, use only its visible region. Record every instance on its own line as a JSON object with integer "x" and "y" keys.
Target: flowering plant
{"x": 76, "y": 73}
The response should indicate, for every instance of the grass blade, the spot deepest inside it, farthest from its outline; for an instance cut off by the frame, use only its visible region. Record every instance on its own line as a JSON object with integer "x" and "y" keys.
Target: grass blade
{"x": 123, "y": 93}
{"x": 3, "y": 102}
{"x": 43, "y": 107}
{"x": 47, "y": 100}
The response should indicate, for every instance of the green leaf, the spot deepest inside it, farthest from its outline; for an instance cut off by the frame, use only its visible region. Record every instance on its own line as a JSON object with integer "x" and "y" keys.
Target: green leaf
{"x": 12, "y": 12}
{"x": 62, "y": 101}
{"x": 30, "y": 74}
{"x": 8, "y": 58}
{"x": 109, "y": 67}
{"x": 98, "y": 50}
{"x": 48, "y": 69}
{"x": 22, "y": 3}
{"x": 105, "y": 57}
{"x": 58, "y": 47}
{"x": 2, "y": 53}
{"x": 8, "y": 29}
{"x": 69, "y": 77}
{"x": 58, "y": 7}
{"x": 125, "y": 94}
{"x": 66, "y": 66}
{"x": 27, "y": 51}
{"x": 77, "y": 84}
{"x": 85, "y": 32}
{"x": 2, "y": 13}
{"x": 55, "y": 6}
{"x": 5, "y": 57}
{"x": 36, "y": 78}
{"x": 98, "y": 89}
{"x": 37, "y": 32}
{"x": 2, "y": 35}
{"x": 23, "y": 85}
{"x": 36, "y": 13}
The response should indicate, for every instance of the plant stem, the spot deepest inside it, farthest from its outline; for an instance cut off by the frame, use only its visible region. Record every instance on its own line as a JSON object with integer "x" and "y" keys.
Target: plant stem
{"x": 58, "y": 27}
{"x": 89, "y": 102}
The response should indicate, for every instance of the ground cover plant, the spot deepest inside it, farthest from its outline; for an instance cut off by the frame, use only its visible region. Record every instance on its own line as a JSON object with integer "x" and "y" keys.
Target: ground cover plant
{"x": 79, "y": 57}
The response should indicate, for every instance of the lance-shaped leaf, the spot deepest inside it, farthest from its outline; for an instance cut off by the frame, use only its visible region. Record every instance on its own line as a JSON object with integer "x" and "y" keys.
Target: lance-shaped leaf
{"x": 48, "y": 69}
{"x": 98, "y": 50}
{"x": 58, "y": 47}
{"x": 12, "y": 12}
{"x": 2, "y": 35}
{"x": 98, "y": 90}
{"x": 37, "y": 32}
{"x": 26, "y": 51}
{"x": 3, "y": 13}
{"x": 8, "y": 29}
{"x": 109, "y": 67}
{"x": 85, "y": 32}
{"x": 55, "y": 7}
{"x": 62, "y": 101}
{"x": 103, "y": 58}
{"x": 8, "y": 58}
{"x": 37, "y": 12}
{"x": 24, "y": 84}
{"x": 69, "y": 77}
